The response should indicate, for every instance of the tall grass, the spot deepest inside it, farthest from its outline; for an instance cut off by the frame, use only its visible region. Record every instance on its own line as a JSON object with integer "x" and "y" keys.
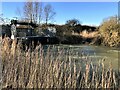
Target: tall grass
{"x": 40, "y": 68}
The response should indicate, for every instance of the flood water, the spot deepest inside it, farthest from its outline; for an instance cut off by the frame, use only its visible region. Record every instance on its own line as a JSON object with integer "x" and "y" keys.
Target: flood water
{"x": 95, "y": 54}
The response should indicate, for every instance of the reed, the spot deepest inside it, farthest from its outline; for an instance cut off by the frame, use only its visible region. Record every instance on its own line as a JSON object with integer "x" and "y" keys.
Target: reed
{"x": 40, "y": 68}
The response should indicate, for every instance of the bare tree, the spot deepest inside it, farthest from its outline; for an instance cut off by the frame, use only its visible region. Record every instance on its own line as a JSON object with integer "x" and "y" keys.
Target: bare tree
{"x": 18, "y": 12}
{"x": 48, "y": 13}
{"x": 33, "y": 11}
{"x": 28, "y": 10}
{"x": 40, "y": 13}
{"x": 36, "y": 10}
{"x": 1, "y": 19}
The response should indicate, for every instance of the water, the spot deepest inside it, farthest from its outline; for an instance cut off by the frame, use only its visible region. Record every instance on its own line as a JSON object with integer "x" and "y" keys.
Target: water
{"x": 93, "y": 53}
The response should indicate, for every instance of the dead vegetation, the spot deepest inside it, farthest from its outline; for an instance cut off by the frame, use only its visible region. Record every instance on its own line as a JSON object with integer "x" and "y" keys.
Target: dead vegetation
{"x": 40, "y": 69}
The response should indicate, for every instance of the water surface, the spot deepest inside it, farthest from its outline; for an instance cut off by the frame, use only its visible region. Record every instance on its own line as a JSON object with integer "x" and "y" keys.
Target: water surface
{"x": 91, "y": 53}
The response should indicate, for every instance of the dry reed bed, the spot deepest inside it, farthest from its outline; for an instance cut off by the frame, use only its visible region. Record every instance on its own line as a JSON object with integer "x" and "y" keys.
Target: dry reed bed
{"x": 37, "y": 69}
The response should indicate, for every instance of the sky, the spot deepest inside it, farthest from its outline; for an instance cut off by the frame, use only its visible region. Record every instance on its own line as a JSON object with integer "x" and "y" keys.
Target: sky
{"x": 88, "y": 13}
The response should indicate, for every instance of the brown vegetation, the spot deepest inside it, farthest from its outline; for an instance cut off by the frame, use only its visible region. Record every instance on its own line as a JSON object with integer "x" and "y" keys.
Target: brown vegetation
{"x": 109, "y": 31}
{"x": 86, "y": 34}
{"x": 40, "y": 69}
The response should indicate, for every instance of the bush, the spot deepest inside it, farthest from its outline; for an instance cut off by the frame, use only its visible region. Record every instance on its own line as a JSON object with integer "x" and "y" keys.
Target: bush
{"x": 109, "y": 31}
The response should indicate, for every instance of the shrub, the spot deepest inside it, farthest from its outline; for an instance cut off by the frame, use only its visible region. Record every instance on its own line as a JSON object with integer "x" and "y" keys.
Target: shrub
{"x": 109, "y": 31}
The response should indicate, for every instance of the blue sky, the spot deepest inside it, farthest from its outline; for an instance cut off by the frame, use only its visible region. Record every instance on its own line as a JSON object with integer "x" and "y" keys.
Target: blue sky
{"x": 90, "y": 13}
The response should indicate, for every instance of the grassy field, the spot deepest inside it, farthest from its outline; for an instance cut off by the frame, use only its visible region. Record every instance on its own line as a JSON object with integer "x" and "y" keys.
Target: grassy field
{"x": 39, "y": 69}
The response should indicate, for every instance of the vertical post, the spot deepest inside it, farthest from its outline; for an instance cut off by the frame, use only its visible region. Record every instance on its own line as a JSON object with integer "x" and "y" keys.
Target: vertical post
{"x": 13, "y": 31}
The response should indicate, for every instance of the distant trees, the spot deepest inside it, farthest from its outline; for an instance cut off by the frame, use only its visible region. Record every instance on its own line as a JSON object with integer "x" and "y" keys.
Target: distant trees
{"x": 69, "y": 27}
{"x": 28, "y": 10}
{"x": 62, "y": 30}
{"x": 18, "y": 13}
{"x": 1, "y": 18}
{"x": 36, "y": 12}
{"x": 48, "y": 13}
{"x": 74, "y": 25}
{"x": 109, "y": 31}
{"x": 72, "y": 22}
{"x": 89, "y": 28}
{"x": 32, "y": 11}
